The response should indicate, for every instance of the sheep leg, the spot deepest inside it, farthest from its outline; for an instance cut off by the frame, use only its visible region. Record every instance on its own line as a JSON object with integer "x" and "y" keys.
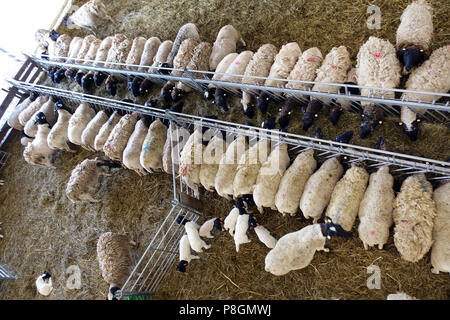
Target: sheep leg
{"x": 380, "y": 246}
{"x": 206, "y": 246}
{"x": 194, "y": 257}
{"x": 88, "y": 198}
{"x": 260, "y": 209}
{"x": 366, "y": 247}
{"x": 435, "y": 270}
{"x": 324, "y": 249}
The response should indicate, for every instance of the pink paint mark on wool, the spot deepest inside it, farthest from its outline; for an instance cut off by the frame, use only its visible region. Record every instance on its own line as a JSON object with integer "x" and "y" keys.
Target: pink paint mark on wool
{"x": 283, "y": 195}
{"x": 333, "y": 66}
{"x": 237, "y": 62}
{"x": 183, "y": 171}
{"x": 377, "y": 55}
{"x": 310, "y": 60}
{"x": 372, "y": 233}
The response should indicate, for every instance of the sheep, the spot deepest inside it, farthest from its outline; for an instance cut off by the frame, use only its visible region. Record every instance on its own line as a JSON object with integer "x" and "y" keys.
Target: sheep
{"x": 259, "y": 66}
{"x": 189, "y": 30}
{"x": 44, "y": 284}
{"x": 78, "y": 122}
{"x": 375, "y": 210}
{"x": 414, "y": 212}
{"x": 92, "y": 129}
{"x": 223, "y": 182}
{"x": 440, "y": 252}
{"x": 333, "y": 70}
{"x": 241, "y": 228}
{"x": 170, "y": 152}
{"x": 101, "y": 55}
{"x": 90, "y": 15}
{"x": 84, "y": 49}
{"x": 114, "y": 259}
{"x": 184, "y": 55}
{"x": 248, "y": 167}
{"x": 117, "y": 55}
{"x": 345, "y": 104}
{"x": 25, "y": 139}
{"x": 153, "y": 147}
{"x": 212, "y": 155}
{"x": 136, "y": 51}
{"x": 305, "y": 69}
{"x": 163, "y": 52}
{"x": 221, "y": 68}
{"x": 225, "y": 43}
{"x": 400, "y": 296}
{"x": 208, "y": 226}
{"x": 148, "y": 54}
{"x": 284, "y": 62}
{"x": 185, "y": 253}
{"x": 118, "y": 138}
{"x": 38, "y": 152}
{"x": 192, "y": 229}
{"x": 262, "y": 233}
{"x": 293, "y": 183}
{"x": 132, "y": 152}
{"x": 415, "y": 33}
{"x": 296, "y": 250}
{"x": 377, "y": 66}
{"x": 191, "y": 159}
{"x": 13, "y": 118}
{"x": 432, "y": 76}
{"x": 30, "y": 127}
{"x": 58, "y": 138}
{"x": 84, "y": 178}
{"x": 269, "y": 177}
{"x": 29, "y": 111}
{"x": 105, "y": 131}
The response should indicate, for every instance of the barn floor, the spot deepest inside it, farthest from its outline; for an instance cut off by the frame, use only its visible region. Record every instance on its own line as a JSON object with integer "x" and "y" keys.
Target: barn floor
{"x": 43, "y": 230}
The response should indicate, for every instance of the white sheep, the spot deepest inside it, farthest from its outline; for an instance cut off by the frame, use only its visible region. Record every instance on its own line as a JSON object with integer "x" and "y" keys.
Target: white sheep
{"x": 240, "y": 231}
{"x": 105, "y": 131}
{"x": 84, "y": 49}
{"x": 167, "y": 153}
{"x": 440, "y": 252}
{"x": 191, "y": 159}
{"x": 44, "y": 284}
{"x": 293, "y": 182}
{"x": 136, "y": 51}
{"x": 38, "y": 152}
{"x": 100, "y": 58}
{"x": 192, "y": 228}
{"x": 118, "y": 138}
{"x": 432, "y": 76}
{"x": 163, "y": 52}
{"x": 375, "y": 210}
{"x": 238, "y": 66}
{"x": 226, "y": 42}
{"x": 208, "y": 226}
{"x": 305, "y": 69}
{"x": 78, "y": 122}
{"x": 29, "y": 111}
{"x": 284, "y": 62}
{"x": 189, "y": 30}
{"x": 114, "y": 259}
{"x": 74, "y": 49}
{"x": 414, "y": 212}
{"x": 132, "y": 152}
{"x": 148, "y": 53}
{"x": 269, "y": 177}
{"x": 223, "y": 182}
{"x": 319, "y": 187}
{"x": 13, "y": 119}
{"x": 153, "y": 147}
{"x": 400, "y": 296}
{"x": 58, "y": 138}
{"x": 92, "y": 129}
{"x": 248, "y": 167}
{"x": 212, "y": 155}
{"x": 346, "y": 197}
{"x": 90, "y": 15}
{"x": 25, "y": 139}
{"x": 223, "y": 66}
{"x": 184, "y": 55}
{"x": 47, "y": 108}
{"x": 185, "y": 254}
{"x": 102, "y": 52}
{"x": 262, "y": 233}
{"x": 230, "y": 221}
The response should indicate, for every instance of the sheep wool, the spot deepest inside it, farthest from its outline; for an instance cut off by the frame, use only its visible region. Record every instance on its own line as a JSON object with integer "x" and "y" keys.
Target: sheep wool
{"x": 13, "y": 119}
{"x": 37, "y": 152}
{"x": 223, "y": 66}
{"x": 416, "y": 25}
{"x": 58, "y": 138}
{"x": 293, "y": 182}
{"x": 283, "y": 64}
{"x": 440, "y": 252}
{"x": 31, "y": 126}
{"x": 228, "y": 166}
{"x": 136, "y": 51}
{"x": 230, "y": 221}
{"x": 212, "y": 155}
{"x": 206, "y": 228}
{"x": 248, "y": 167}
{"x": 197, "y": 244}
{"x": 92, "y": 129}
{"x": 85, "y": 45}
{"x": 153, "y": 147}
{"x": 265, "y": 237}
{"x": 62, "y": 47}
{"x": 114, "y": 258}
{"x": 198, "y": 62}
{"x": 240, "y": 232}
{"x": 115, "y": 51}
{"x": 189, "y": 30}
{"x": 185, "y": 250}
{"x": 375, "y": 210}
{"x": 102, "y": 52}
{"x": 89, "y": 15}
{"x": 414, "y": 212}
{"x": 225, "y": 44}
{"x": 118, "y": 138}
{"x": 92, "y": 52}
{"x": 132, "y": 152}
{"x": 305, "y": 69}
{"x": 74, "y": 48}
{"x": 78, "y": 122}
{"x": 346, "y": 197}
{"x": 259, "y": 65}
{"x": 148, "y": 54}
{"x": 168, "y": 150}
{"x": 295, "y": 250}
{"x": 28, "y": 112}
{"x": 238, "y": 66}
{"x": 161, "y": 55}
{"x": 269, "y": 178}
{"x": 191, "y": 159}
{"x": 184, "y": 55}
{"x": 319, "y": 187}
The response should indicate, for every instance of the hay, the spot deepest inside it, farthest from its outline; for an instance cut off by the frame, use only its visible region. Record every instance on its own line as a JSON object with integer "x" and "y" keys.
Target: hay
{"x": 44, "y": 231}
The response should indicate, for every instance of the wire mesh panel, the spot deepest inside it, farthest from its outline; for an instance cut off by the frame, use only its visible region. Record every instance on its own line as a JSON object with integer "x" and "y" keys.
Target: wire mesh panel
{"x": 6, "y": 275}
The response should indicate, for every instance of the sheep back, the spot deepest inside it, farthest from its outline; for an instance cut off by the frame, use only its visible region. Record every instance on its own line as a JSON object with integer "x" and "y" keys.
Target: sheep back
{"x": 259, "y": 65}
{"x": 105, "y": 131}
{"x": 305, "y": 69}
{"x": 225, "y": 43}
{"x": 237, "y": 66}
{"x": 211, "y": 159}
{"x": 150, "y": 49}
{"x": 440, "y": 252}
{"x": 153, "y": 147}
{"x": 132, "y": 152}
{"x": 184, "y": 55}
{"x": 283, "y": 64}
{"x": 118, "y": 138}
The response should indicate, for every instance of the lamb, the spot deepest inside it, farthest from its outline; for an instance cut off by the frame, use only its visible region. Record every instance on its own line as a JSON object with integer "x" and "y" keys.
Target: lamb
{"x": 191, "y": 159}
{"x": 305, "y": 69}
{"x": 29, "y": 111}
{"x": 118, "y": 138}
{"x": 225, "y": 43}
{"x": 92, "y": 129}
{"x": 433, "y": 76}
{"x": 186, "y": 31}
{"x": 231, "y": 218}
{"x": 400, "y": 296}
{"x": 153, "y": 147}
{"x": 414, "y": 212}
{"x": 221, "y": 68}
{"x": 168, "y": 150}
{"x": 259, "y": 66}
{"x": 263, "y": 234}
{"x": 293, "y": 183}
{"x": 105, "y": 131}
{"x": 149, "y": 53}
{"x": 283, "y": 64}
{"x": 58, "y": 138}
{"x": 192, "y": 229}
{"x": 84, "y": 178}
{"x": 440, "y": 252}
{"x": 185, "y": 253}
{"x": 163, "y": 52}
{"x": 377, "y": 66}
{"x": 347, "y": 196}
{"x": 38, "y": 152}
{"x": 30, "y": 127}
{"x": 13, "y": 119}
{"x": 296, "y": 250}
{"x": 241, "y": 228}
{"x": 132, "y": 152}
{"x": 208, "y": 226}
{"x": 226, "y": 173}
{"x": 90, "y": 15}
{"x": 78, "y": 122}
{"x": 212, "y": 155}
{"x": 114, "y": 259}
{"x": 333, "y": 70}
{"x": 44, "y": 284}
{"x": 415, "y": 33}
{"x": 269, "y": 177}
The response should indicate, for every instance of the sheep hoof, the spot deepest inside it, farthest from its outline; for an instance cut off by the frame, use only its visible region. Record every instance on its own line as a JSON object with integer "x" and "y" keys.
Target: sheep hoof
{"x": 380, "y": 247}
{"x": 366, "y": 247}
{"x": 434, "y": 270}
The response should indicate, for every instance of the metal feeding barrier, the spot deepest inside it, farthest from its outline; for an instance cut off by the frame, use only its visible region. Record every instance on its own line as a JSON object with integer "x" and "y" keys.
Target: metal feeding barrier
{"x": 162, "y": 252}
